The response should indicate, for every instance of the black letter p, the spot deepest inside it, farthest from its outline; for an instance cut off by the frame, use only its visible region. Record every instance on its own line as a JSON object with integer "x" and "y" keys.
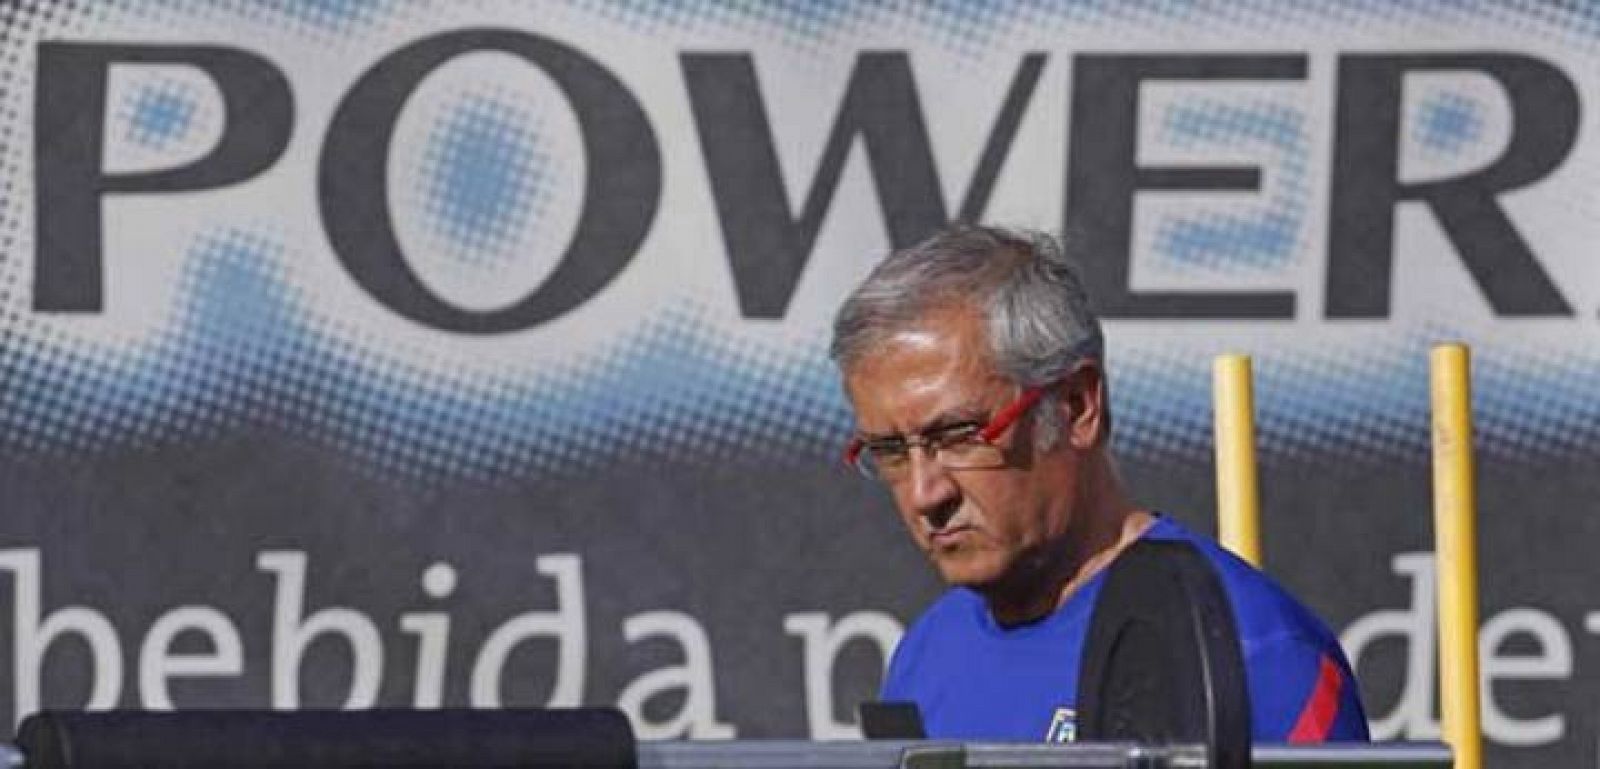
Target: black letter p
{"x": 69, "y": 142}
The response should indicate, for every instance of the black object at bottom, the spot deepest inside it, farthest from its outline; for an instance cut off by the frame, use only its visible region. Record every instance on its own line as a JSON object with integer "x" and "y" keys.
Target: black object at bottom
{"x": 1161, "y": 661}
{"x": 311, "y": 739}
{"x": 891, "y": 720}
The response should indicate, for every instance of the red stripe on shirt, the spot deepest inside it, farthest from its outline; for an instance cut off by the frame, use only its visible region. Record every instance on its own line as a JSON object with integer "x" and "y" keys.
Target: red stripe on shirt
{"x": 1316, "y": 719}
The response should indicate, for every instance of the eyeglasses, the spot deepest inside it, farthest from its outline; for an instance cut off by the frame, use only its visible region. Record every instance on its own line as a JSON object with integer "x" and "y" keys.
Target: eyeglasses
{"x": 961, "y": 446}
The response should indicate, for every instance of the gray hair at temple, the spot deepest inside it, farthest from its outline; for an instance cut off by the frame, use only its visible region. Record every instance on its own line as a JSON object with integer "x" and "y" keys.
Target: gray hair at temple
{"x": 1026, "y": 284}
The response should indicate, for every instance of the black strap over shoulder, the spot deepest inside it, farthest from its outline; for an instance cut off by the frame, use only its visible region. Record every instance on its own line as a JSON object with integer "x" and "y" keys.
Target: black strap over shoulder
{"x": 1162, "y": 662}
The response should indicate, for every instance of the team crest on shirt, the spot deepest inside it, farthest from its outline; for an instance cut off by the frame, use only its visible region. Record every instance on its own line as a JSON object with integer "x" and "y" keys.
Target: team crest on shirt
{"x": 1063, "y": 726}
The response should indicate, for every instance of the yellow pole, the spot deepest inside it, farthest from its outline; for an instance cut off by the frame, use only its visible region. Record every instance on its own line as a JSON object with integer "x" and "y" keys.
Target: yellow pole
{"x": 1233, "y": 416}
{"x": 1455, "y": 546}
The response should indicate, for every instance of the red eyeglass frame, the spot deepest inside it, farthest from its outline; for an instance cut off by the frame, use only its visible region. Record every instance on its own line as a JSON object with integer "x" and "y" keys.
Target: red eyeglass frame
{"x": 997, "y": 424}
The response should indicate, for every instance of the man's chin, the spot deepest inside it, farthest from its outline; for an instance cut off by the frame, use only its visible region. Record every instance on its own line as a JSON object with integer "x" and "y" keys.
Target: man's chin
{"x": 967, "y": 569}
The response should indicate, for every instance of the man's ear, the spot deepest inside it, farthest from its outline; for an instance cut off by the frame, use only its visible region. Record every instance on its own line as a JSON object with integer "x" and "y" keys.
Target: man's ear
{"x": 1083, "y": 406}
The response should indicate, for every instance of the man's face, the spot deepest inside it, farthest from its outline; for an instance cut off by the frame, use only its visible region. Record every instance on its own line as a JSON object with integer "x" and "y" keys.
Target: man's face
{"x": 984, "y": 527}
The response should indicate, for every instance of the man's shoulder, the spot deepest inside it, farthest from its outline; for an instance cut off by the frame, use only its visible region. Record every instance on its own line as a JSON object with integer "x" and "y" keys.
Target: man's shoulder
{"x": 1295, "y": 665}
{"x": 1264, "y": 610}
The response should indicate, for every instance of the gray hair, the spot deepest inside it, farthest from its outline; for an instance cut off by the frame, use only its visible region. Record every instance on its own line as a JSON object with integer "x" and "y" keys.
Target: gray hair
{"x": 1026, "y": 285}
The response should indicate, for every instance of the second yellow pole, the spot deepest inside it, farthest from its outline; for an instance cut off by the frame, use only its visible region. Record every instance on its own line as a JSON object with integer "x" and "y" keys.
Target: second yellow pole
{"x": 1456, "y": 548}
{"x": 1233, "y": 416}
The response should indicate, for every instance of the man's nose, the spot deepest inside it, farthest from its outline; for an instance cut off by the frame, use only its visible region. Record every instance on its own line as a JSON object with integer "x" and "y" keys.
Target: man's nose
{"x": 932, "y": 486}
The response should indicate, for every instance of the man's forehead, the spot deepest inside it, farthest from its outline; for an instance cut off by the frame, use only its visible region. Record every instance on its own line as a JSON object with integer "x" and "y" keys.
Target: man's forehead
{"x": 944, "y": 339}
{"x": 921, "y": 372}
{"x": 921, "y": 338}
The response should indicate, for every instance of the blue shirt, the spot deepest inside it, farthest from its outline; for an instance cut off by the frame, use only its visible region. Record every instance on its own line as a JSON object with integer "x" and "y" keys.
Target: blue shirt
{"x": 975, "y": 680}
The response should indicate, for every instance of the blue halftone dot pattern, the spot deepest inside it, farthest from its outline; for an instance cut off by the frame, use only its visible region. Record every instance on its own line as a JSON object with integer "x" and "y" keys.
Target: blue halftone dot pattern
{"x": 244, "y": 351}
{"x": 972, "y": 28}
{"x": 1364, "y": 409}
{"x": 1534, "y": 405}
{"x": 1447, "y": 122}
{"x": 1219, "y": 241}
{"x": 967, "y": 28}
{"x": 671, "y": 391}
{"x": 1366, "y": 406}
{"x": 967, "y": 21}
{"x": 1266, "y": 239}
{"x": 680, "y": 389}
{"x": 797, "y": 20}
{"x": 486, "y": 174}
{"x": 961, "y": 26}
{"x": 1160, "y": 411}
{"x": 328, "y": 15}
{"x": 159, "y": 114}
{"x": 231, "y": 335}
{"x": 330, "y": 24}
{"x": 1573, "y": 21}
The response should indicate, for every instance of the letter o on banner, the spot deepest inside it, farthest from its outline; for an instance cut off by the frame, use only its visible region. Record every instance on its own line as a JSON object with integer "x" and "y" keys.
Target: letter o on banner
{"x": 619, "y": 200}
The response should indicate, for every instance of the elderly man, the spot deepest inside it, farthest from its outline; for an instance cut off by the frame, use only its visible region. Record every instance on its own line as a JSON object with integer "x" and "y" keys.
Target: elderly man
{"x": 976, "y": 371}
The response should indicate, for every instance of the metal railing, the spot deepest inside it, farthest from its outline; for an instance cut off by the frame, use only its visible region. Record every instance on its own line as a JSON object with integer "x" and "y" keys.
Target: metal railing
{"x": 911, "y": 754}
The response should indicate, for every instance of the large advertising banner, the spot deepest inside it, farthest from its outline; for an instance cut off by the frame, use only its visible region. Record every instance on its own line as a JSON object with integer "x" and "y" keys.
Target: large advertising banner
{"x": 474, "y": 353}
